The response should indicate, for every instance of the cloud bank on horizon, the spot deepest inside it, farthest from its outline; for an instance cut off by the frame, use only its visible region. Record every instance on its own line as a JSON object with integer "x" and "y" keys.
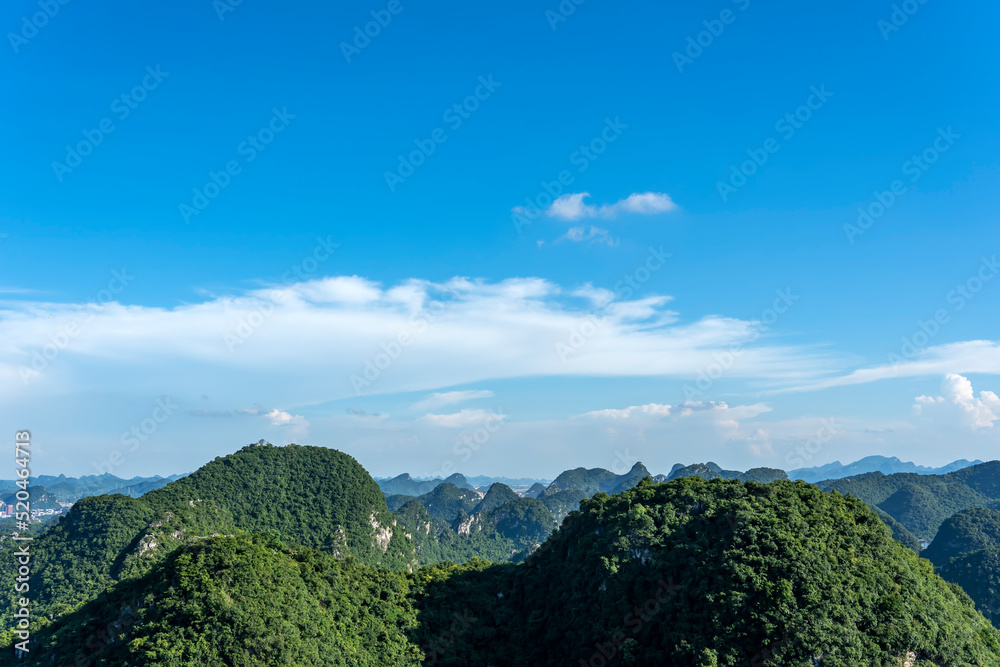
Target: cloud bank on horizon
{"x": 424, "y": 351}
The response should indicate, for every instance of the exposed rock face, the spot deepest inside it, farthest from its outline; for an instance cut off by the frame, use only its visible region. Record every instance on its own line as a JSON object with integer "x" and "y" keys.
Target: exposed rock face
{"x": 383, "y": 534}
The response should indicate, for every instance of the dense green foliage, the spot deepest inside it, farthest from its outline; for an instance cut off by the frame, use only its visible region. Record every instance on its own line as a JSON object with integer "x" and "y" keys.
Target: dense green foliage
{"x": 497, "y": 495}
{"x": 589, "y": 481}
{"x": 241, "y": 601}
{"x": 978, "y": 574}
{"x": 967, "y": 531}
{"x": 318, "y": 497}
{"x": 446, "y": 501}
{"x": 312, "y": 496}
{"x": 561, "y": 503}
{"x": 899, "y": 531}
{"x": 699, "y": 573}
{"x": 922, "y": 502}
{"x": 501, "y": 527}
{"x": 966, "y": 552}
{"x": 714, "y": 471}
{"x": 692, "y": 573}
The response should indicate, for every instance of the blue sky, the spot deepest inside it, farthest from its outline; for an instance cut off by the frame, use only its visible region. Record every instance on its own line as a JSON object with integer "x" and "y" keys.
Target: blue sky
{"x": 839, "y": 104}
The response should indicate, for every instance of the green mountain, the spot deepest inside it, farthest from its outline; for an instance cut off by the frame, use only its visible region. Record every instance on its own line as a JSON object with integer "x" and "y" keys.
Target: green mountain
{"x": 242, "y": 600}
{"x": 922, "y": 503}
{"x": 966, "y": 552}
{"x": 407, "y": 486}
{"x": 696, "y": 573}
{"x": 451, "y": 524}
{"x": 714, "y": 471}
{"x": 446, "y": 501}
{"x": 691, "y": 572}
{"x": 312, "y": 496}
{"x": 535, "y": 490}
{"x": 589, "y": 481}
{"x": 964, "y": 533}
{"x": 497, "y": 495}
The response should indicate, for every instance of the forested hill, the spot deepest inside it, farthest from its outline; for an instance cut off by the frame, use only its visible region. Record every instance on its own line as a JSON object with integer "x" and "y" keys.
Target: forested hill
{"x": 922, "y": 503}
{"x": 311, "y": 496}
{"x": 695, "y": 573}
{"x": 687, "y": 573}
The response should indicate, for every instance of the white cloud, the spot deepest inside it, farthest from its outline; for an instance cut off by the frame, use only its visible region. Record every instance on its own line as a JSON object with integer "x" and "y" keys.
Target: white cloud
{"x": 960, "y": 405}
{"x": 974, "y": 356}
{"x": 312, "y": 343}
{"x": 275, "y": 416}
{"x": 465, "y": 417}
{"x": 572, "y": 206}
{"x": 594, "y": 235}
{"x": 282, "y": 418}
{"x": 439, "y": 399}
{"x": 648, "y": 410}
{"x": 720, "y": 414}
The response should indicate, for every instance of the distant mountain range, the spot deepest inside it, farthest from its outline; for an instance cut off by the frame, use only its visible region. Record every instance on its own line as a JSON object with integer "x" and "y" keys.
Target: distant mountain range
{"x": 598, "y": 479}
{"x": 71, "y": 489}
{"x": 883, "y": 464}
{"x": 415, "y": 486}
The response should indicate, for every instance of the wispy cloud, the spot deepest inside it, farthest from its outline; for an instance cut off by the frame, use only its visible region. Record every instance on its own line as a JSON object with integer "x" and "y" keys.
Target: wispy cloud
{"x": 275, "y": 417}
{"x": 439, "y": 399}
{"x": 300, "y": 344}
{"x": 465, "y": 417}
{"x": 572, "y": 206}
{"x": 593, "y": 234}
{"x": 974, "y": 356}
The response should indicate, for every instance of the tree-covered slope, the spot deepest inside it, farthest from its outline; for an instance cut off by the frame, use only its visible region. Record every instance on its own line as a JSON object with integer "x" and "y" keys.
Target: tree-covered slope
{"x": 966, "y": 552}
{"x": 310, "y": 495}
{"x": 446, "y": 501}
{"x": 318, "y": 497}
{"x": 923, "y": 502}
{"x": 696, "y": 573}
{"x": 497, "y": 495}
{"x": 240, "y": 601}
{"x": 965, "y": 532}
